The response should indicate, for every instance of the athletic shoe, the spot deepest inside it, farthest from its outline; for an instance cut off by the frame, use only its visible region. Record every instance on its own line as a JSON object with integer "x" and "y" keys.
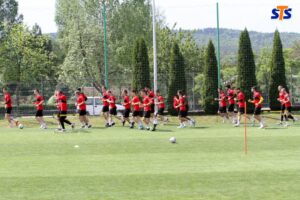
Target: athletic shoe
{"x": 88, "y": 126}
{"x": 73, "y": 125}
{"x": 107, "y": 125}
{"x": 236, "y": 125}
{"x": 262, "y": 127}
{"x": 154, "y": 127}
{"x": 113, "y": 124}
{"x": 193, "y": 123}
{"x": 131, "y": 125}
{"x": 148, "y": 128}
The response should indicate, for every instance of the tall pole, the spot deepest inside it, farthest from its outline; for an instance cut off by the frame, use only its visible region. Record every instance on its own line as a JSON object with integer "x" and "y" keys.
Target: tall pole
{"x": 219, "y": 54}
{"x": 154, "y": 46}
{"x": 105, "y": 44}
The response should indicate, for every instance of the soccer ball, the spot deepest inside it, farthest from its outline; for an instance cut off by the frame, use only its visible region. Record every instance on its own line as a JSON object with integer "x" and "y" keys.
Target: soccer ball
{"x": 21, "y": 126}
{"x": 172, "y": 140}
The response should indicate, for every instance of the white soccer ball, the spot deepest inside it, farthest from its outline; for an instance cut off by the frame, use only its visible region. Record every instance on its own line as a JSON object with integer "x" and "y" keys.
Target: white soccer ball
{"x": 172, "y": 140}
{"x": 21, "y": 126}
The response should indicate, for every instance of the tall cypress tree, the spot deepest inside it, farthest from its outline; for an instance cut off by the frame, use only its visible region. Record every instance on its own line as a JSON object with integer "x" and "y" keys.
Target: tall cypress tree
{"x": 210, "y": 85}
{"x": 246, "y": 65}
{"x": 277, "y": 72}
{"x": 141, "y": 71}
{"x": 177, "y": 79}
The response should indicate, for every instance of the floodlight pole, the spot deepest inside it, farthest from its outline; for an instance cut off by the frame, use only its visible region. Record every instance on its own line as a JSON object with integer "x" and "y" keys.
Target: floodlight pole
{"x": 105, "y": 44}
{"x": 219, "y": 54}
{"x": 154, "y": 46}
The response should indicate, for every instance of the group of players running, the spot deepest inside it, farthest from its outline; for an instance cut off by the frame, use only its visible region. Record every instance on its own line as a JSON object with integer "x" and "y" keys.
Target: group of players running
{"x": 143, "y": 112}
{"x": 233, "y": 96}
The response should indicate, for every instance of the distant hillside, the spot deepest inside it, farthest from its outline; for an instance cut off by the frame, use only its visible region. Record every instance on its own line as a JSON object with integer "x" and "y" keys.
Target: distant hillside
{"x": 229, "y": 39}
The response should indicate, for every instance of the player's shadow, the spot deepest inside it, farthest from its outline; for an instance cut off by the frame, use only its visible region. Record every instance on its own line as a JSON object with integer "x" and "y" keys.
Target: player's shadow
{"x": 99, "y": 128}
{"x": 165, "y": 131}
{"x": 275, "y": 128}
{"x": 199, "y": 127}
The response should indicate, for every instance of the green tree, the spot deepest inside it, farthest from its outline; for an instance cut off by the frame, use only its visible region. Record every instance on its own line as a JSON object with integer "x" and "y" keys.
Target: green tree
{"x": 246, "y": 65}
{"x": 141, "y": 71}
{"x": 277, "y": 72}
{"x": 177, "y": 80}
{"x": 210, "y": 84}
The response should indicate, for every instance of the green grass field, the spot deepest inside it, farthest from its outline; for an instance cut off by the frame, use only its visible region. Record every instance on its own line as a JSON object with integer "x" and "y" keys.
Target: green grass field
{"x": 207, "y": 163}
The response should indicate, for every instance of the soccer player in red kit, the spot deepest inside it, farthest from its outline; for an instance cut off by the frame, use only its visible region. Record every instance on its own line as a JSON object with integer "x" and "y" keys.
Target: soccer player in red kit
{"x": 257, "y": 101}
{"x": 135, "y": 102}
{"x": 288, "y": 106}
{"x": 281, "y": 97}
{"x": 112, "y": 109}
{"x": 182, "y": 109}
{"x": 105, "y": 109}
{"x": 63, "y": 111}
{"x": 127, "y": 106}
{"x": 81, "y": 105}
{"x": 222, "y": 105}
{"x": 8, "y": 108}
{"x": 241, "y": 105}
{"x": 39, "y": 116}
{"x": 161, "y": 107}
{"x": 231, "y": 102}
{"x": 147, "y": 110}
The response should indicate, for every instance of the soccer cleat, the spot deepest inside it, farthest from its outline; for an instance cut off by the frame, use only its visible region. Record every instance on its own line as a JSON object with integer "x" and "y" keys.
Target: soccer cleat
{"x": 154, "y": 127}
{"x": 193, "y": 123}
{"x": 88, "y": 126}
{"x": 131, "y": 125}
{"x": 148, "y": 128}
{"x": 73, "y": 125}
{"x": 107, "y": 125}
{"x": 236, "y": 125}
{"x": 112, "y": 124}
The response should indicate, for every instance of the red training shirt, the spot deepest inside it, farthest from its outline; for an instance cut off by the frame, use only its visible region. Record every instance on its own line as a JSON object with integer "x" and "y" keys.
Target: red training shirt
{"x": 39, "y": 99}
{"x": 105, "y": 98}
{"x": 112, "y": 100}
{"x": 135, "y": 100}
{"x": 241, "y": 100}
{"x": 230, "y": 95}
{"x": 222, "y": 102}
{"x": 146, "y": 101}
{"x": 7, "y": 99}
{"x": 81, "y": 99}
{"x": 257, "y": 96}
{"x": 161, "y": 101}
{"x": 126, "y": 103}
{"x": 62, "y": 101}
{"x": 182, "y": 103}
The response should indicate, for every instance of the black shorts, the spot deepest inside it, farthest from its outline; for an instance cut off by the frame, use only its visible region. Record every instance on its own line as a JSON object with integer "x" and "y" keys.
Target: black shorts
{"x": 161, "y": 111}
{"x": 136, "y": 113}
{"x": 183, "y": 113}
{"x": 39, "y": 113}
{"x": 241, "y": 110}
{"x": 223, "y": 109}
{"x": 62, "y": 114}
{"x": 147, "y": 114}
{"x": 231, "y": 108}
{"x": 82, "y": 112}
{"x": 113, "y": 111}
{"x": 257, "y": 111}
{"x": 8, "y": 110}
{"x": 282, "y": 108}
{"x": 152, "y": 108}
{"x": 126, "y": 113}
{"x": 105, "y": 109}
{"x": 289, "y": 109}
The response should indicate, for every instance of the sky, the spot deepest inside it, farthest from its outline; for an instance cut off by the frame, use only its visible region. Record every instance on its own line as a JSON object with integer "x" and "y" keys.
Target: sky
{"x": 190, "y": 14}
